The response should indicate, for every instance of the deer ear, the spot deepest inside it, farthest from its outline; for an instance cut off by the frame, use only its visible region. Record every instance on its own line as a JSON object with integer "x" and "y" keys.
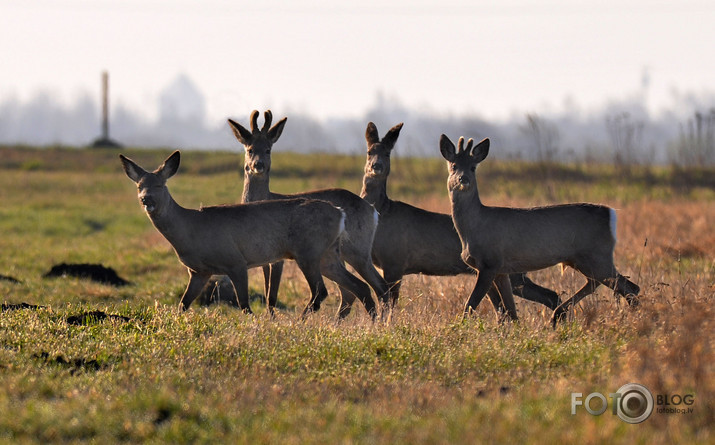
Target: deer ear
{"x": 447, "y": 148}
{"x": 391, "y": 137}
{"x": 132, "y": 170}
{"x": 481, "y": 150}
{"x": 275, "y": 132}
{"x": 371, "y": 135}
{"x": 170, "y": 166}
{"x": 244, "y": 136}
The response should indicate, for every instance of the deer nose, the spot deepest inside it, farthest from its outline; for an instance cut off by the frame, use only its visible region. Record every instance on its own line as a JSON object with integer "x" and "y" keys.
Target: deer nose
{"x": 463, "y": 180}
{"x": 377, "y": 167}
{"x": 259, "y": 166}
{"x": 148, "y": 203}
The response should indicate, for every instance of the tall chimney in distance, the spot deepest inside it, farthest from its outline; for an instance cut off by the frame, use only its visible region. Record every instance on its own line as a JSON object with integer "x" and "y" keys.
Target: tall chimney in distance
{"x": 105, "y": 105}
{"x": 104, "y": 141}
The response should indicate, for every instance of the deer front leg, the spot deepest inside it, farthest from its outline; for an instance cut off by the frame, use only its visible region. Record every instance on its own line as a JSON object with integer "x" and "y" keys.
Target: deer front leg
{"x": 502, "y": 297}
{"x": 196, "y": 282}
{"x": 481, "y": 287}
{"x": 523, "y": 287}
{"x": 239, "y": 277}
{"x": 271, "y": 282}
{"x": 561, "y": 311}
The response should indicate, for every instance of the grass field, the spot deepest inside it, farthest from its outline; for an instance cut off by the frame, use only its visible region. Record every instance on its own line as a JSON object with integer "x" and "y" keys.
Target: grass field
{"x": 214, "y": 375}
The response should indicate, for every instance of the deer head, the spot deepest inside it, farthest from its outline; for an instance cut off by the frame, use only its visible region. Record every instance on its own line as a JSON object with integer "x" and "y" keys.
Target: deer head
{"x": 378, "y": 151}
{"x": 151, "y": 187}
{"x": 463, "y": 162}
{"x": 258, "y": 142}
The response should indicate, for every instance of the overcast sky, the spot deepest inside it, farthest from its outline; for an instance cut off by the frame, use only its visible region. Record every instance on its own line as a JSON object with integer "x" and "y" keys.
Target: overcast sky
{"x": 329, "y": 58}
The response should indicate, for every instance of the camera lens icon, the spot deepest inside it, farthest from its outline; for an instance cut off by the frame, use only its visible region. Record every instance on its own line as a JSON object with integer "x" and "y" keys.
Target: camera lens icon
{"x": 635, "y": 403}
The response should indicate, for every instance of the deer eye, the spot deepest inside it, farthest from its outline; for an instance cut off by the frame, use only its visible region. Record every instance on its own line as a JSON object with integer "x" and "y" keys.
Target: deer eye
{"x": 473, "y": 168}
{"x": 249, "y": 151}
{"x": 268, "y": 151}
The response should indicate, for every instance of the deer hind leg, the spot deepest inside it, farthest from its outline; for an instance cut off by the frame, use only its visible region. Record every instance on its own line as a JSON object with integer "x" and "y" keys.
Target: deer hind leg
{"x": 271, "y": 282}
{"x": 624, "y": 287}
{"x": 561, "y": 311}
{"x": 502, "y": 298}
{"x": 332, "y": 267}
{"x": 196, "y": 282}
{"x": 481, "y": 287}
{"x": 347, "y": 299}
{"x": 361, "y": 260}
{"x": 318, "y": 291}
{"x": 525, "y": 288}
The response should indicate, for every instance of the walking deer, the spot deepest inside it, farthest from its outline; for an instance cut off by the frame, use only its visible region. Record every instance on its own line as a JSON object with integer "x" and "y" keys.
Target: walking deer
{"x": 500, "y": 240}
{"x": 230, "y": 239}
{"x": 410, "y": 240}
{"x": 361, "y": 217}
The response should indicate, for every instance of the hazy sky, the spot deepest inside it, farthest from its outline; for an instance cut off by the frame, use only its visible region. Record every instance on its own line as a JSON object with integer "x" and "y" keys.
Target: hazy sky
{"x": 330, "y": 58}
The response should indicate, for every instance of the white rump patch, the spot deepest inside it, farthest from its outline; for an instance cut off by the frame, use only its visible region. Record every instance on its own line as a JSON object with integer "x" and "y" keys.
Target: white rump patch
{"x": 612, "y": 222}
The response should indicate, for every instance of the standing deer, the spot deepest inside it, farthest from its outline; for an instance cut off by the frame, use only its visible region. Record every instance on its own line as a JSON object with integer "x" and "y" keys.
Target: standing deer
{"x": 230, "y": 239}
{"x": 500, "y": 240}
{"x": 360, "y": 225}
{"x": 411, "y": 240}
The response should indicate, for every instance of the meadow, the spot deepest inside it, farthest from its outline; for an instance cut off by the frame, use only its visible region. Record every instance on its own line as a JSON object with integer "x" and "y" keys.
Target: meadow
{"x": 212, "y": 374}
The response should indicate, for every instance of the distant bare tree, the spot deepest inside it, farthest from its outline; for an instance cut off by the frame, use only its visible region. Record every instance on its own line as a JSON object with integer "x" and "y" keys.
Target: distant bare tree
{"x": 696, "y": 145}
{"x": 544, "y": 137}
{"x": 626, "y": 137}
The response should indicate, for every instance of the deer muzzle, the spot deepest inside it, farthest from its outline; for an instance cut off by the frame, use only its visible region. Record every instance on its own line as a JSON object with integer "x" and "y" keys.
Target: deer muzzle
{"x": 148, "y": 203}
{"x": 256, "y": 168}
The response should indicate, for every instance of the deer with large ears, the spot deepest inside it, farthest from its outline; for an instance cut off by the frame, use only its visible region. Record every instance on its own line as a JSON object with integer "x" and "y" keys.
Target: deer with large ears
{"x": 228, "y": 240}
{"x": 360, "y": 225}
{"x": 410, "y": 240}
{"x": 501, "y": 240}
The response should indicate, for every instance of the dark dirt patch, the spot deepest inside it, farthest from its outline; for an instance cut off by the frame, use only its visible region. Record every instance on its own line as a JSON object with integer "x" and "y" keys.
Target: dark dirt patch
{"x": 16, "y": 306}
{"x": 94, "y": 272}
{"x": 10, "y": 279}
{"x": 74, "y": 365}
{"x": 94, "y": 317}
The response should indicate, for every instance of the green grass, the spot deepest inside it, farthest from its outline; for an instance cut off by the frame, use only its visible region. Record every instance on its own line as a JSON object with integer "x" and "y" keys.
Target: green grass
{"x": 214, "y": 375}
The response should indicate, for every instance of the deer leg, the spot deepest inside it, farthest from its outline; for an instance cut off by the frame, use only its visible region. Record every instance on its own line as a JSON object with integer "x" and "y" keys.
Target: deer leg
{"x": 394, "y": 282}
{"x": 561, "y": 311}
{"x": 624, "y": 287}
{"x": 239, "y": 278}
{"x": 318, "y": 291}
{"x": 330, "y": 265}
{"x": 523, "y": 287}
{"x": 196, "y": 282}
{"x": 367, "y": 271}
{"x": 271, "y": 282}
{"x": 349, "y": 285}
{"x": 502, "y": 298}
{"x": 481, "y": 287}
{"x": 347, "y": 299}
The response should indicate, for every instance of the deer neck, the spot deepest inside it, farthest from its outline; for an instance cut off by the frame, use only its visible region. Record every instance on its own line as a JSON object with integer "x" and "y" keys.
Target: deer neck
{"x": 466, "y": 207}
{"x": 374, "y": 191}
{"x": 168, "y": 220}
{"x": 256, "y": 188}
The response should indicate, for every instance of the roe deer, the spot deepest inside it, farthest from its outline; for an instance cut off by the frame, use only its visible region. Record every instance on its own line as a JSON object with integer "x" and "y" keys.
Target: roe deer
{"x": 230, "y": 239}
{"x": 411, "y": 240}
{"x": 360, "y": 225}
{"x": 500, "y": 240}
